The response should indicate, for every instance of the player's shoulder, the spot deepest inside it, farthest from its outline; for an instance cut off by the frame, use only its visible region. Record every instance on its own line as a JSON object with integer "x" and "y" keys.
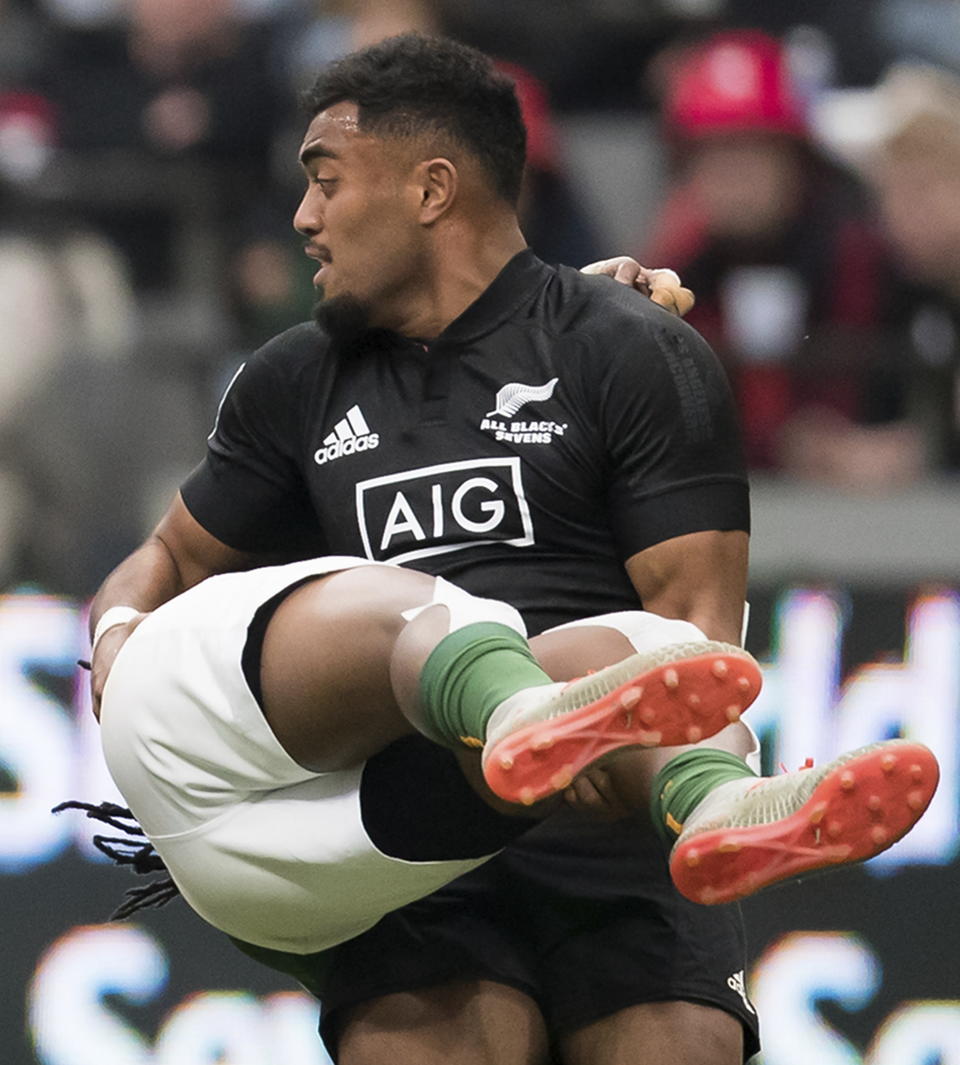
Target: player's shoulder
{"x": 617, "y": 318}
{"x": 293, "y": 348}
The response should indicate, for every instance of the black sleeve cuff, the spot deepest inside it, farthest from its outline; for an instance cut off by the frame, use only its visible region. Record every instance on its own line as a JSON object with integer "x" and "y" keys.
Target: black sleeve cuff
{"x": 712, "y": 505}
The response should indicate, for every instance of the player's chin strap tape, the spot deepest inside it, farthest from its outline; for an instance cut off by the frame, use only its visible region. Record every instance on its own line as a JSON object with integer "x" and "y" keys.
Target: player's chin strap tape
{"x": 133, "y": 848}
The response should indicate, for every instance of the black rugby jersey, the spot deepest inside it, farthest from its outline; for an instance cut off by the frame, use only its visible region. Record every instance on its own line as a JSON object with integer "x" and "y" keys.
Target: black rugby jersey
{"x": 560, "y": 425}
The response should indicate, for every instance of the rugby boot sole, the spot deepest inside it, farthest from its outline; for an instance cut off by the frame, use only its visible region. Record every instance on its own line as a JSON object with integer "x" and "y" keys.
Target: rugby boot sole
{"x": 815, "y": 819}
{"x": 679, "y": 694}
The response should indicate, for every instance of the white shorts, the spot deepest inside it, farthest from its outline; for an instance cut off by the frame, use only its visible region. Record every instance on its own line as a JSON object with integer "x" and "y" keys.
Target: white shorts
{"x": 260, "y": 847}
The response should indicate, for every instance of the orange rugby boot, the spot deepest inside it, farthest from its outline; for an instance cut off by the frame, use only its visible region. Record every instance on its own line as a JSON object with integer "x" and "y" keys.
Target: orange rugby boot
{"x": 751, "y": 833}
{"x": 540, "y": 739}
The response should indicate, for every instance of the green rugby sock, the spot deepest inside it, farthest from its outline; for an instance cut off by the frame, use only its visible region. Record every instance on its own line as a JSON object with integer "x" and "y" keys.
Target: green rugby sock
{"x": 468, "y": 674}
{"x": 688, "y": 779}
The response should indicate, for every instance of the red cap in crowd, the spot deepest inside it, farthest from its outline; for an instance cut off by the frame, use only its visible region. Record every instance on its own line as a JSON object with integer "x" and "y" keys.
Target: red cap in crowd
{"x": 735, "y": 82}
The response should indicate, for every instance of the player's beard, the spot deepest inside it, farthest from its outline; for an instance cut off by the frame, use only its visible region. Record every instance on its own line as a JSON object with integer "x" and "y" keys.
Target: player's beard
{"x": 345, "y": 318}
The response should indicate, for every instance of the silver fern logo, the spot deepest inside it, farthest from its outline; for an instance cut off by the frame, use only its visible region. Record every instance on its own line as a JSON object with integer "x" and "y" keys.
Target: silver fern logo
{"x": 512, "y": 397}
{"x": 507, "y": 429}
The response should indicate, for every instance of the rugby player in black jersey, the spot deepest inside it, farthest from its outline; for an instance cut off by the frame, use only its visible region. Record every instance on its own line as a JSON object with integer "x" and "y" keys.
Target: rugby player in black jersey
{"x": 536, "y": 436}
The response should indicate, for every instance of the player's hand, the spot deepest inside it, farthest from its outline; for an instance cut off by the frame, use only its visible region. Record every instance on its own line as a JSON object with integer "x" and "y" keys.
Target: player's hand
{"x": 106, "y": 653}
{"x": 593, "y": 794}
{"x": 662, "y": 286}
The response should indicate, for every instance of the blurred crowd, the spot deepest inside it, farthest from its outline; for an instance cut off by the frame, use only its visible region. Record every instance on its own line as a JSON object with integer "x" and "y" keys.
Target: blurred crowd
{"x": 798, "y": 163}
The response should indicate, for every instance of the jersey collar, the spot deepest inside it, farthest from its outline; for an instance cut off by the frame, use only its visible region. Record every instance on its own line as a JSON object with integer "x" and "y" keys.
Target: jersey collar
{"x": 523, "y": 275}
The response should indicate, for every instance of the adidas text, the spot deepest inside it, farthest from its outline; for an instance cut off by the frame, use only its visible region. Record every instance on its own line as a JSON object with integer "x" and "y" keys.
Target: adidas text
{"x": 339, "y": 448}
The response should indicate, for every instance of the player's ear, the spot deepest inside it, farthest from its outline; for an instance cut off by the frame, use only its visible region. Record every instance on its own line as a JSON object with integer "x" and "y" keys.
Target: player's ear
{"x": 438, "y": 182}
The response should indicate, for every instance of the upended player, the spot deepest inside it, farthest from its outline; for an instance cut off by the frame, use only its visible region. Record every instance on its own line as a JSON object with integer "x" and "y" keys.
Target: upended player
{"x": 539, "y": 437}
{"x": 240, "y": 721}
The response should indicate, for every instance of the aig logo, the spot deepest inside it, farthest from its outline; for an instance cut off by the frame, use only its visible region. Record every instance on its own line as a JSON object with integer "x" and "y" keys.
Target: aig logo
{"x": 443, "y": 508}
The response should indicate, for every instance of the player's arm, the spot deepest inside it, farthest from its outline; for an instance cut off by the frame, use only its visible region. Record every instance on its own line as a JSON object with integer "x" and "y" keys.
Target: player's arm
{"x": 699, "y": 577}
{"x": 678, "y": 500}
{"x": 178, "y": 554}
{"x": 677, "y": 490}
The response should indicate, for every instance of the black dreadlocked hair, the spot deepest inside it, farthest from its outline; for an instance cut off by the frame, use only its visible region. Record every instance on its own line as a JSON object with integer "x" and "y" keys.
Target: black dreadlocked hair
{"x": 134, "y": 849}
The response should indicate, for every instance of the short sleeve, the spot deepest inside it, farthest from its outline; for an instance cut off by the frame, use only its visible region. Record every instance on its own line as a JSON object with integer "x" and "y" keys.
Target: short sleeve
{"x": 249, "y": 491}
{"x": 673, "y": 444}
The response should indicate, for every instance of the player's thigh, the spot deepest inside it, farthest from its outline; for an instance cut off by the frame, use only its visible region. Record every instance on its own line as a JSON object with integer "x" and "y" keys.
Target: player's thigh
{"x": 658, "y": 1033}
{"x": 569, "y": 653}
{"x": 325, "y": 664}
{"x": 577, "y": 647}
{"x": 468, "y": 1022}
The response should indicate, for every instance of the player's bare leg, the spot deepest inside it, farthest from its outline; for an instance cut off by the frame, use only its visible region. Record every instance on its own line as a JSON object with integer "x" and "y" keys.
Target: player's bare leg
{"x": 353, "y": 660}
{"x": 427, "y": 1028}
{"x": 464, "y": 1022}
{"x": 325, "y": 665}
{"x": 682, "y": 1033}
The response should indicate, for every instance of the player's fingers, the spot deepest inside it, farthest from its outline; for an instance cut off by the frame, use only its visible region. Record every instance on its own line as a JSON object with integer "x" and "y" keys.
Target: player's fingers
{"x": 593, "y": 793}
{"x": 621, "y": 268}
{"x": 583, "y": 795}
{"x": 628, "y": 271}
{"x": 661, "y": 284}
{"x": 102, "y": 659}
{"x": 602, "y": 266}
{"x": 661, "y": 277}
{"x": 96, "y": 693}
{"x": 674, "y": 298}
{"x": 667, "y": 300}
{"x": 604, "y": 785}
{"x": 667, "y": 290}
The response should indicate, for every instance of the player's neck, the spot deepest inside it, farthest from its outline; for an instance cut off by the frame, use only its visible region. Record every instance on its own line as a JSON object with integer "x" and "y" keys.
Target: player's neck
{"x": 465, "y": 262}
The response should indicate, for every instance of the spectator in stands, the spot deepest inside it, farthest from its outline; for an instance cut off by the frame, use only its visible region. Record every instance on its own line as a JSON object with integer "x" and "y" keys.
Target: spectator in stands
{"x": 178, "y": 77}
{"x": 790, "y": 278}
{"x": 914, "y": 169}
{"x": 180, "y": 82}
{"x": 71, "y": 384}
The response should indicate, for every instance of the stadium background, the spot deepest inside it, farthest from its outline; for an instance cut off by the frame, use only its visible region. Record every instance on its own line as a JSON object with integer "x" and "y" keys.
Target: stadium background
{"x": 144, "y": 251}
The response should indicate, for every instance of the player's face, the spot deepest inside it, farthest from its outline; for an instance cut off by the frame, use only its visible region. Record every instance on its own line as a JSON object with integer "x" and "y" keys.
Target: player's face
{"x": 359, "y": 216}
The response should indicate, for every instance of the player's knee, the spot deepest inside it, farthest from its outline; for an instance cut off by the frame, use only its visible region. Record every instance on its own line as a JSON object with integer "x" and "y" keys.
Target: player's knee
{"x": 466, "y": 609}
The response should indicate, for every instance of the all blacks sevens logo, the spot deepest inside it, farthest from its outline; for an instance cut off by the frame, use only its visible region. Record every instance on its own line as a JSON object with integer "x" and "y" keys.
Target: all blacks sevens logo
{"x": 443, "y": 508}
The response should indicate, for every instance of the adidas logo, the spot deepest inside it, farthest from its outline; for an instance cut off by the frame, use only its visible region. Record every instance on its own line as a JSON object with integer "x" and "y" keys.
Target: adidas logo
{"x": 350, "y": 434}
{"x": 737, "y": 983}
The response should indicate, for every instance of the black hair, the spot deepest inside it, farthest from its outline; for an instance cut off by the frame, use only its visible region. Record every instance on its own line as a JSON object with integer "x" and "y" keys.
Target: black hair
{"x": 133, "y": 849}
{"x": 413, "y": 84}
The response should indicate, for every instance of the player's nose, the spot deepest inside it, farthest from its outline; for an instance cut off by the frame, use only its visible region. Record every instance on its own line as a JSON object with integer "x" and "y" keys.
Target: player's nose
{"x": 307, "y": 219}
